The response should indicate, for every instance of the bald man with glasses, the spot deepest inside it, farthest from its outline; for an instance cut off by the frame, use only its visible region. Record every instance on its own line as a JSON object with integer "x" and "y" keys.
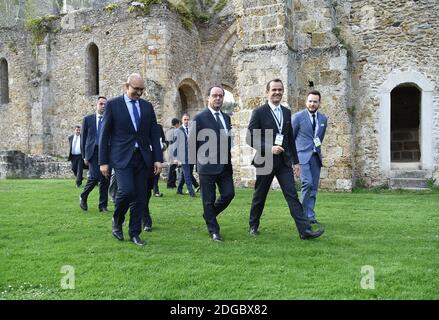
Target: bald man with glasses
{"x": 130, "y": 143}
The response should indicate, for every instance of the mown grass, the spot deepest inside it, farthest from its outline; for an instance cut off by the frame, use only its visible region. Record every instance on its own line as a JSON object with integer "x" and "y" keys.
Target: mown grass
{"x": 43, "y": 229}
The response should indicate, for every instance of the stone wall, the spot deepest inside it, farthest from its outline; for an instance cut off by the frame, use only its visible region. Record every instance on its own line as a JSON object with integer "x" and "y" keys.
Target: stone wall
{"x": 346, "y": 49}
{"x": 384, "y": 36}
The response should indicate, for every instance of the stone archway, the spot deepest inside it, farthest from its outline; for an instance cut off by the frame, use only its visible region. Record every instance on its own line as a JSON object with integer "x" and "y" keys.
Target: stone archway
{"x": 189, "y": 98}
{"x": 425, "y": 86}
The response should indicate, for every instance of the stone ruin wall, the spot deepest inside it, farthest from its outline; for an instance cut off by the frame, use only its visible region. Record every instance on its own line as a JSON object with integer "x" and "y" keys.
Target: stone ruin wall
{"x": 345, "y": 49}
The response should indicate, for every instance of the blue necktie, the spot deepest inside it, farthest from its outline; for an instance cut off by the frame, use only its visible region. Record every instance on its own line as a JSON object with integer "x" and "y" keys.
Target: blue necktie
{"x": 136, "y": 115}
{"x": 98, "y": 133}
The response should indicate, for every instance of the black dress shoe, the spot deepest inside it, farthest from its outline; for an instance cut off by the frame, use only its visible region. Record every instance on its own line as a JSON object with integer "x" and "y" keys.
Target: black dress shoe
{"x": 216, "y": 237}
{"x": 253, "y": 231}
{"x": 147, "y": 229}
{"x": 309, "y": 234}
{"x": 137, "y": 241}
{"x": 118, "y": 235}
{"x": 313, "y": 221}
{"x": 158, "y": 194}
{"x": 104, "y": 209}
{"x": 179, "y": 192}
{"x": 83, "y": 204}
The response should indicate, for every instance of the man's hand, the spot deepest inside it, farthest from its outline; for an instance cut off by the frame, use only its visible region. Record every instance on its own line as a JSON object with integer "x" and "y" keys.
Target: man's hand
{"x": 157, "y": 168}
{"x": 86, "y": 162}
{"x": 105, "y": 170}
{"x": 296, "y": 170}
{"x": 277, "y": 150}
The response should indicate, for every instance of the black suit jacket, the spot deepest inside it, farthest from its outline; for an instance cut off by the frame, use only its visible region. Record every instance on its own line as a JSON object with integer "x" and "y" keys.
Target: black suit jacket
{"x": 118, "y": 136}
{"x": 262, "y": 119}
{"x": 214, "y": 156}
{"x": 88, "y": 136}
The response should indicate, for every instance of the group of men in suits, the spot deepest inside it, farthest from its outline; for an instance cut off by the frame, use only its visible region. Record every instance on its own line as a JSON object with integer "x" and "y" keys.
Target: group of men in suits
{"x": 127, "y": 139}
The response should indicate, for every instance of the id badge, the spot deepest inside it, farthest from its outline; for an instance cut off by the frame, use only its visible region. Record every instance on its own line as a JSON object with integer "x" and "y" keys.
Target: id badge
{"x": 279, "y": 139}
{"x": 317, "y": 142}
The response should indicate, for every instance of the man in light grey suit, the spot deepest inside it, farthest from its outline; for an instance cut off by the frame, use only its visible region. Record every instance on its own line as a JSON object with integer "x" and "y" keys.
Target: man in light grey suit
{"x": 309, "y": 128}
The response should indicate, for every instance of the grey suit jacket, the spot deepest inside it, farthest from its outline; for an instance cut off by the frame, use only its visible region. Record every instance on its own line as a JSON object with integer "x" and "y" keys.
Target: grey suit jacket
{"x": 304, "y": 138}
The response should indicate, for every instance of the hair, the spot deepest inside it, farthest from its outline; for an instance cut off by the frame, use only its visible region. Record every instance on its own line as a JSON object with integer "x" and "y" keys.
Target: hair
{"x": 77, "y": 126}
{"x": 215, "y": 86}
{"x": 175, "y": 121}
{"x": 316, "y": 93}
{"x": 274, "y": 80}
{"x": 102, "y": 97}
{"x": 185, "y": 114}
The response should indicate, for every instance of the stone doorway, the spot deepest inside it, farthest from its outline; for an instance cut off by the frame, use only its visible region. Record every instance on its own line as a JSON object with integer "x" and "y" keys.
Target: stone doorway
{"x": 405, "y": 124}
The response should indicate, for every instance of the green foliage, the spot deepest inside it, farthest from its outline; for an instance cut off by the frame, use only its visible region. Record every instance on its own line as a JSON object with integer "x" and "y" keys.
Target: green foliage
{"x": 86, "y": 28}
{"x": 189, "y": 11}
{"x": 384, "y": 230}
{"x": 111, "y": 7}
{"x": 145, "y": 9}
{"x": 219, "y": 6}
{"x": 40, "y": 26}
{"x": 12, "y": 45}
{"x": 431, "y": 184}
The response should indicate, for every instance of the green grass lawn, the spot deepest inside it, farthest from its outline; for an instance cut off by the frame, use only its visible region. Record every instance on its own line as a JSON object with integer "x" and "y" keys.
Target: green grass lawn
{"x": 43, "y": 229}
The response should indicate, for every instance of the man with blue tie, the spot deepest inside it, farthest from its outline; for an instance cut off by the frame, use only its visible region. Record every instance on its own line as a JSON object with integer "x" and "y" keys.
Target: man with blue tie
{"x": 271, "y": 134}
{"x": 130, "y": 143}
{"x": 209, "y": 146}
{"x": 310, "y": 127}
{"x": 91, "y": 129}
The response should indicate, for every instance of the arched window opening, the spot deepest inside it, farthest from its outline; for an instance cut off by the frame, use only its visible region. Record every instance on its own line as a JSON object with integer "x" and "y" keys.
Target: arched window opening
{"x": 4, "y": 82}
{"x": 93, "y": 69}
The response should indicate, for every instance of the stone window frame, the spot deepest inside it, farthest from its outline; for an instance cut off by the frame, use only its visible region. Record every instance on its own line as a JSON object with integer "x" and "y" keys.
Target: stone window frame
{"x": 4, "y": 81}
{"x": 92, "y": 70}
{"x": 426, "y": 87}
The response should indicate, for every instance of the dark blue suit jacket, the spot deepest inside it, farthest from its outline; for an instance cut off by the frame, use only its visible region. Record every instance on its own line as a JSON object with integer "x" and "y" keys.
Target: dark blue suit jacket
{"x": 88, "y": 136}
{"x": 220, "y": 154}
{"x": 118, "y": 137}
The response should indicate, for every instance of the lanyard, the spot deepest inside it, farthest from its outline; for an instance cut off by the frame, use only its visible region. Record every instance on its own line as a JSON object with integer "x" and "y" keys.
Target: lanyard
{"x": 279, "y": 122}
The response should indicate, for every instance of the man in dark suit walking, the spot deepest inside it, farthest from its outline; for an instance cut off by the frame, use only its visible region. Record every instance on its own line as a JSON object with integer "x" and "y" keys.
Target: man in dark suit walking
{"x": 182, "y": 157}
{"x": 91, "y": 129}
{"x": 271, "y": 134}
{"x": 211, "y": 136}
{"x": 130, "y": 143}
{"x": 75, "y": 156}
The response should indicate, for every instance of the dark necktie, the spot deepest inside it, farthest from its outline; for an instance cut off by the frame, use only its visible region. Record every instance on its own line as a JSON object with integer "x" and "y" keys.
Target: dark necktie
{"x": 186, "y": 129}
{"x": 98, "y": 133}
{"x": 136, "y": 115}
{"x": 218, "y": 120}
{"x": 314, "y": 123}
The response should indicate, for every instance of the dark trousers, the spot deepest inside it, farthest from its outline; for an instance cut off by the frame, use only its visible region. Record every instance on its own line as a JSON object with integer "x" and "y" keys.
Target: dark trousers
{"x": 156, "y": 184}
{"x": 285, "y": 177}
{"x": 132, "y": 186}
{"x": 146, "y": 217}
{"x": 172, "y": 176}
{"x": 94, "y": 178}
{"x": 213, "y": 207}
{"x": 77, "y": 168}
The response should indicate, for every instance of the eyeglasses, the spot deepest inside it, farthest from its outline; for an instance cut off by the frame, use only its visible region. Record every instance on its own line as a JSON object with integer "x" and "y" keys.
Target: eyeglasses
{"x": 217, "y": 96}
{"x": 137, "y": 88}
